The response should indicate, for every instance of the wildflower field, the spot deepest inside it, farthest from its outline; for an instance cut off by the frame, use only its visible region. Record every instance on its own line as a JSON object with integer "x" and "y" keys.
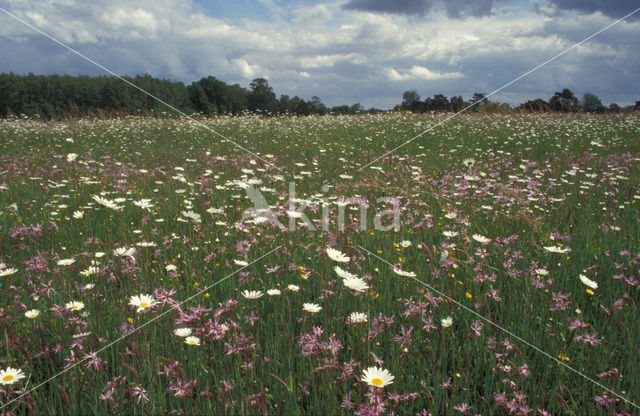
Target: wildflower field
{"x": 490, "y": 266}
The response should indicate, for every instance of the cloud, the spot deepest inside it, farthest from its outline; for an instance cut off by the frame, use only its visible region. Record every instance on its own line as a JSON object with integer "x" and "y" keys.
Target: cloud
{"x": 248, "y": 71}
{"x": 463, "y": 8}
{"x": 614, "y": 9}
{"x": 453, "y": 8}
{"x": 342, "y": 57}
{"x": 319, "y": 13}
{"x": 419, "y": 7}
{"x": 323, "y": 61}
{"x": 136, "y": 23}
{"x": 419, "y": 72}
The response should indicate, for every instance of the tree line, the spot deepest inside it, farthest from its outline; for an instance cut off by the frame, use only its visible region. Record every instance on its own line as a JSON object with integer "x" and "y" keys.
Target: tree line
{"x": 58, "y": 96}
{"x": 561, "y": 101}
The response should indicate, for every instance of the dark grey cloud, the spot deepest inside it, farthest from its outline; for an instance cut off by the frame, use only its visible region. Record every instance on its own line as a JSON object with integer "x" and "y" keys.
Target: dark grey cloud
{"x": 463, "y": 8}
{"x": 407, "y": 7}
{"x": 611, "y": 8}
{"x": 453, "y": 8}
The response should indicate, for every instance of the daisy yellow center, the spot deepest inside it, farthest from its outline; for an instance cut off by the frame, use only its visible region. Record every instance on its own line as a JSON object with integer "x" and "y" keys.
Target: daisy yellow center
{"x": 192, "y": 342}
{"x": 74, "y": 307}
{"x": 8, "y": 377}
{"x": 144, "y": 304}
{"x": 377, "y": 381}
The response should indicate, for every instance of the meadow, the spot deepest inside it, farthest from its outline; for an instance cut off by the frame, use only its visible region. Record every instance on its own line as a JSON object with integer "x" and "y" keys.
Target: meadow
{"x": 509, "y": 286}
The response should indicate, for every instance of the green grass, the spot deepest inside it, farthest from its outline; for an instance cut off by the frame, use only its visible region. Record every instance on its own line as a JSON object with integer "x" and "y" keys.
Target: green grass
{"x": 534, "y": 177}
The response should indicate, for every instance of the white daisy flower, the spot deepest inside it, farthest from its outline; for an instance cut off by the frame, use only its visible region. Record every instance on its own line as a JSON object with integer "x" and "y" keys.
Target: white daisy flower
{"x": 469, "y": 162}
{"x": 559, "y": 250}
{"x": 311, "y": 307}
{"x": 252, "y": 294}
{"x": 356, "y": 284}
{"x": 74, "y": 305}
{"x": 146, "y": 244}
{"x": 32, "y": 314}
{"x": 8, "y": 272}
{"x": 481, "y": 239}
{"x": 195, "y": 217}
{"x": 403, "y": 273}
{"x": 588, "y": 282}
{"x": 142, "y": 302}
{"x": 343, "y": 273}
{"x": 182, "y": 332}
{"x": 65, "y": 262}
{"x": 357, "y": 318}
{"x": 377, "y": 377}
{"x": 144, "y": 204}
{"x": 107, "y": 203}
{"x": 192, "y": 340}
{"x": 337, "y": 255}
{"x": 447, "y": 322}
{"x": 124, "y": 251}
{"x": 11, "y": 375}
{"x": 89, "y": 271}
{"x": 273, "y": 292}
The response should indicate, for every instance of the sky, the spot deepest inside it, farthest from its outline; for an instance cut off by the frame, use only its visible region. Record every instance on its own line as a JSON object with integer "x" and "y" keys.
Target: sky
{"x": 343, "y": 51}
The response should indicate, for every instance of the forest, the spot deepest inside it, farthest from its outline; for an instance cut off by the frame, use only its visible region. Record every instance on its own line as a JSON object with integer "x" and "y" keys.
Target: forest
{"x": 61, "y": 96}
